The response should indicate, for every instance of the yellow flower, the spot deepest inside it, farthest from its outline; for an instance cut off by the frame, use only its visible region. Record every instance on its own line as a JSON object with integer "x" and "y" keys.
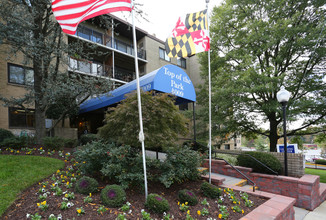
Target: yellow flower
{"x": 198, "y": 212}
{"x": 242, "y": 211}
{"x": 90, "y": 194}
{"x": 66, "y": 195}
{"x": 234, "y": 202}
{"x": 178, "y": 203}
{"x": 58, "y": 171}
{"x": 186, "y": 203}
{"x": 84, "y": 162}
{"x": 67, "y": 183}
{"x": 79, "y": 211}
{"x": 219, "y": 215}
{"x": 41, "y": 148}
{"x": 38, "y": 204}
{"x": 188, "y": 212}
{"x": 43, "y": 203}
{"x": 43, "y": 186}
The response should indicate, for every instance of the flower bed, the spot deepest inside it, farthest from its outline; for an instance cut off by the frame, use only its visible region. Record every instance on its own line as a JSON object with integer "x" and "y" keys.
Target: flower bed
{"x": 56, "y": 197}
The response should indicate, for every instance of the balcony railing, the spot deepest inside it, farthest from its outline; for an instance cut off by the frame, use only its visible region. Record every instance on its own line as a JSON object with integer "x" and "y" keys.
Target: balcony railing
{"x": 123, "y": 47}
{"x": 98, "y": 69}
{"x": 104, "y": 39}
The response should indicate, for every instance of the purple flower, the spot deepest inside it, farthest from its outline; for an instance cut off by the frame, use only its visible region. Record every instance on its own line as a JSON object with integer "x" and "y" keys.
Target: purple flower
{"x": 189, "y": 193}
{"x": 83, "y": 184}
{"x": 111, "y": 194}
{"x": 158, "y": 198}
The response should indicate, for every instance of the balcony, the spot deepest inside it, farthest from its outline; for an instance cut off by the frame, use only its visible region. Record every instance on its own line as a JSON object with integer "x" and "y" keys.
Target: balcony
{"x": 104, "y": 39}
{"x": 98, "y": 69}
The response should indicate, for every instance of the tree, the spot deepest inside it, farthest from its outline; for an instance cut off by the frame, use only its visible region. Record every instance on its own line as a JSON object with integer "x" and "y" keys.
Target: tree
{"x": 28, "y": 29}
{"x": 256, "y": 47}
{"x": 162, "y": 121}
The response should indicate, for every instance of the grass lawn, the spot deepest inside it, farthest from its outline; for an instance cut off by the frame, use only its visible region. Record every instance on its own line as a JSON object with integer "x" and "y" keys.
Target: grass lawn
{"x": 20, "y": 172}
{"x": 318, "y": 172}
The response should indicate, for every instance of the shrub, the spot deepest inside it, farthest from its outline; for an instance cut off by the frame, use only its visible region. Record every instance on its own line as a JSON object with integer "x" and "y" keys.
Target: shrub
{"x": 70, "y": 143}
{"x": 113, "y": 196}
{"x": 86, "y": 185}
{"x": 180, "y": 165}
{"x": 320, "y": 161}
{"x": 88, "y": 138}
{"x": 229, "y": 158}
{"x": 54, "y": 143}
{"x": 186, "y": 195}
{"x": 17, "y": 142}
{"x": 124, "y": 164}
{"x": 268, "y": 159}
{"x": 196, "y": 146}
{"x": 94, "y": 155}
{"x": 157, "y": 203}
{"x": 5, "y": 134}
{"x": 209, "y": 190}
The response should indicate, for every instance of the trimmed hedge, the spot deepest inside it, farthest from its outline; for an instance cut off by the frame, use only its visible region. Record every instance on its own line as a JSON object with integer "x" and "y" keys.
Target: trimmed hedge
{"x": 268, "y": 159}
{"x": 5, "y": 134}
{"x": 157, "y": 203}
{"x": 320, "y": 161}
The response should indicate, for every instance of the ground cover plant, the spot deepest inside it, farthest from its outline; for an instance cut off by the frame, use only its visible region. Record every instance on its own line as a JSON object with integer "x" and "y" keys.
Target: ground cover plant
{"x": 55, "y": 197}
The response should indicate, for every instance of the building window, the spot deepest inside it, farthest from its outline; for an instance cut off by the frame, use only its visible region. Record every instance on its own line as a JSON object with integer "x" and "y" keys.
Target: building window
{"x": 227, "y": 146}
{"x": 21, "y": 118}
{"x": 164, "y": 56}
{"x": 20, "y": 75}
{"x": 182, "y": 62}
{"x": 89, "y": 34}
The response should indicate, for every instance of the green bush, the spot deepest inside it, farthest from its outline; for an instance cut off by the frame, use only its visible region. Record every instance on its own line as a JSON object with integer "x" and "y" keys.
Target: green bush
{"x": 17, "y": 142}
{"x": 70, "y": 143}
{"x": 180, "y": 165}
{"x": 95, "y": 154}
{"x": 186, "y": 195}
{"x": 196, "y": 146}
{"x": 229, "y": 158}
{"x": 113, "y": 196}
{"x": 320, "y": 161}
{"x": 157, "y": 203}
{"x": 5, "y": 134}
{"x": 54, "y": 143}
{"x": 88, "y": 138}
{"x": 210, "y": 190}
{"x": 268, "y": 159}
{"x": 86, "y": 185}
{"x": 124, "y": 164}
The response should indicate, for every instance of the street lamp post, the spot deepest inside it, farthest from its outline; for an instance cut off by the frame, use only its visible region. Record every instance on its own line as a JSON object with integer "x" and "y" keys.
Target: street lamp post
{"x": 283, "y": 97}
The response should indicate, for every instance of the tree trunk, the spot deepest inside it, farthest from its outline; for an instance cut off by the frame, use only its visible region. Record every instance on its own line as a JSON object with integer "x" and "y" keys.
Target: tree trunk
{"x": 39, "y": 124}
{"x": 273, "y": 136}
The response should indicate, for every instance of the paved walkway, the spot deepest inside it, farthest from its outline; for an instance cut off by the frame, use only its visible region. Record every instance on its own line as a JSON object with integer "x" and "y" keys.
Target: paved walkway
{"x": 300, "y": 214}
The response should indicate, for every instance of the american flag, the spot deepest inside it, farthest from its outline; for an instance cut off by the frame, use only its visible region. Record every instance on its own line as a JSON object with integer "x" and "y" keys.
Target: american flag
{"x": 69, "y": 13}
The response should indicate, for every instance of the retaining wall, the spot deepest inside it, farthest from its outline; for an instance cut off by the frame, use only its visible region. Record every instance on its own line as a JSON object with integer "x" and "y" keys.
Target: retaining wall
{"x": 306, "y": 190}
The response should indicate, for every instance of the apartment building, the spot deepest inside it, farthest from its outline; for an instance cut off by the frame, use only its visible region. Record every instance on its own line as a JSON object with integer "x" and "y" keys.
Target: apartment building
{"x": 116, "y": 65}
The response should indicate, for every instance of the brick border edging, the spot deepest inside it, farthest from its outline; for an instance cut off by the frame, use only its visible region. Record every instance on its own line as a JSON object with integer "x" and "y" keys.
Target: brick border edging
{"x": 276, "y": 207}
{"x": 306, "y": 190}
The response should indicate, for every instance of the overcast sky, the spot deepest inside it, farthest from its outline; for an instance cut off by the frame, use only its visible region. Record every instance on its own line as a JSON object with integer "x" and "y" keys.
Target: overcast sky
{"x": 163, "y": 15}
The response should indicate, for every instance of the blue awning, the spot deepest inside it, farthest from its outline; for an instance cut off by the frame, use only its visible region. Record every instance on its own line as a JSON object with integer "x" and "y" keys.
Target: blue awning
{"x": 168, "y": 79}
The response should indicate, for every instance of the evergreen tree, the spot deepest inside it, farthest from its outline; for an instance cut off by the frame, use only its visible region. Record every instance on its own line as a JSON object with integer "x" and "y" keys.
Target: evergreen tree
{"x": 256, "y": 47}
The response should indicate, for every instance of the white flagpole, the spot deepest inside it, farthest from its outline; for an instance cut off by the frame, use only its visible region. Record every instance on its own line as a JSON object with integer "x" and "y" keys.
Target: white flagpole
{"x": 141, "y": 133}
{"x": 209, "y": 100}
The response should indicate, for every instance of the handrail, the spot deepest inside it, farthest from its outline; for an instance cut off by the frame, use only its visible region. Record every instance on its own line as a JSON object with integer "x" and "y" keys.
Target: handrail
{"x": 270, "y": 169}
{"x": 254, "y": 184}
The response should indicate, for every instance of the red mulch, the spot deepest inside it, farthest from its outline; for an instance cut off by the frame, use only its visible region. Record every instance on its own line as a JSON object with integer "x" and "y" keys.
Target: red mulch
{"x": 27, "y": 201}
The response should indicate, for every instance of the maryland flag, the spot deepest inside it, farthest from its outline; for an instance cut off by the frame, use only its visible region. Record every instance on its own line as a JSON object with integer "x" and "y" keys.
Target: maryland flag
{"x": 190, "y": 36}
